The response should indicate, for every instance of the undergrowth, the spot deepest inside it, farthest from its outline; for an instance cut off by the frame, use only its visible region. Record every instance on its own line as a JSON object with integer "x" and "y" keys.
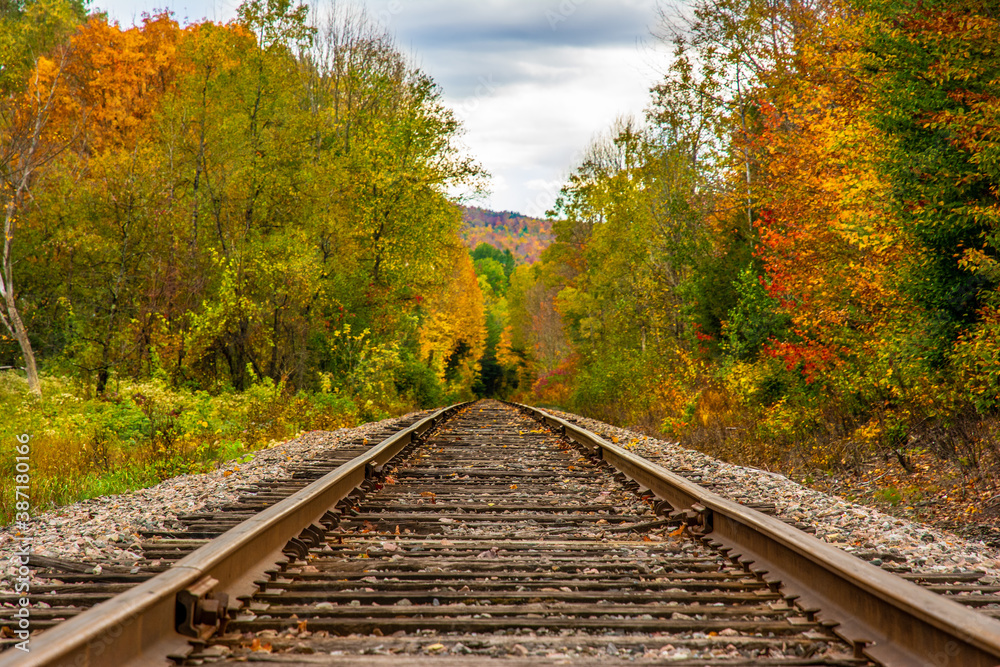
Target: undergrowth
{"x": 828, "y": 438}
{"x": 142, "y": 432}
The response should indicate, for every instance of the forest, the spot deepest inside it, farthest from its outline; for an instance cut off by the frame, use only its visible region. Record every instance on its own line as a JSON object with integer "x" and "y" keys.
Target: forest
{"x": 792, "y": 260}
{"x": 523, "y": 236}
{"x": 220, "y": 235}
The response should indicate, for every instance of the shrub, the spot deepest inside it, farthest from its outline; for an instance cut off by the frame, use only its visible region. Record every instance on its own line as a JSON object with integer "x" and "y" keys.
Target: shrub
{"x": 147, "y": 431}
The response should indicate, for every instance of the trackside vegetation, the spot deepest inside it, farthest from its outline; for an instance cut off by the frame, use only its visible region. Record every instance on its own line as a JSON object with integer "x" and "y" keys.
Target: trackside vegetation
{"x": 792, "y": 260}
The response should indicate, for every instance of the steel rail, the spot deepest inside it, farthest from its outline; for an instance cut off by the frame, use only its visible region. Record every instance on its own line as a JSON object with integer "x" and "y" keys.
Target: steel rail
{"x": 887, "y": 619}
{"x": 139, "y": 627}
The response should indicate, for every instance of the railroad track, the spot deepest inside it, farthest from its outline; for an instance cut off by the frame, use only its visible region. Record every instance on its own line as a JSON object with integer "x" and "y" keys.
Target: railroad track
{"x": 70, "y": 587}
{"x": 488, "y": 532}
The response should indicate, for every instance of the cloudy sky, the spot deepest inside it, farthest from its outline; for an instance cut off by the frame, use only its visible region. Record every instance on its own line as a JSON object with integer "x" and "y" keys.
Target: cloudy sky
{"x": 532, "y": 80}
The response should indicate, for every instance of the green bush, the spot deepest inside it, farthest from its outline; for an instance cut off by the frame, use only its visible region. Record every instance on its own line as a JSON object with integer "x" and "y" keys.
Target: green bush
{"x": 755, "y": 319}
{"x": 417, "y": 383}
{"x": 147, "y": 431}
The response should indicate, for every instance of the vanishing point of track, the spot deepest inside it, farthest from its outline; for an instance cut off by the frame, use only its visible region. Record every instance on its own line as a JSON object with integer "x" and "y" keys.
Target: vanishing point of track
{"x": 488, "y": 531}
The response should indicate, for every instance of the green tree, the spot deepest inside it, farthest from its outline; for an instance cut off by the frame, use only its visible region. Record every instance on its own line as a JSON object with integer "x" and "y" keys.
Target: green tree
{"x": 493, "y": 273}
{"x": 502, "y": 257}
{"x": 754, "y": 320}
{"x": 494, "y": 379}
{"x": 936, "y": 66}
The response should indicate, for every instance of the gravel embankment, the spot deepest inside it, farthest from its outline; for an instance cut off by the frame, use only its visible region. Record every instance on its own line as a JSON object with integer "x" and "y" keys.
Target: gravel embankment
{"x": 104, "y": 530}
{"x": 869, "y": 533}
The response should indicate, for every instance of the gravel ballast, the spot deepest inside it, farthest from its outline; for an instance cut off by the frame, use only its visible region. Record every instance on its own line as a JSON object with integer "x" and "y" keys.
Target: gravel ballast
{"x": 104, "y": 530}
{"x": 882, "y": 539}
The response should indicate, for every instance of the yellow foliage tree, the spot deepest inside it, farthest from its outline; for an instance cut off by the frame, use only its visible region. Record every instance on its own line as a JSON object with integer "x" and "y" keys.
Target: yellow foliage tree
{"x": 453, "y": 335}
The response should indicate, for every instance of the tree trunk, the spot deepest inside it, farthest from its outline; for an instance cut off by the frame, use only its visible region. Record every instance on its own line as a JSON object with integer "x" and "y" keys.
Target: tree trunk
{"x": 23, "y": 143}
{"x": 21, "y": 334}
{"x": 13, "y": 321}
{"x": 104, "y": 370}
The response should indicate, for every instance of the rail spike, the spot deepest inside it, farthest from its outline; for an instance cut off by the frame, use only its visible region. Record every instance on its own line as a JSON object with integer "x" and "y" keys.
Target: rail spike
{"x": 201, "y": 612}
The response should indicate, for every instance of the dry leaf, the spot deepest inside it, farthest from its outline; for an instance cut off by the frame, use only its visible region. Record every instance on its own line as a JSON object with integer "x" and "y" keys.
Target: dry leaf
{"x": 256, "y": 645}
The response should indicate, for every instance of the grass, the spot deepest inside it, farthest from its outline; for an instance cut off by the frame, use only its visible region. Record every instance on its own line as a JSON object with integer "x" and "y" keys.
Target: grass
{"x": 144, "y": 432}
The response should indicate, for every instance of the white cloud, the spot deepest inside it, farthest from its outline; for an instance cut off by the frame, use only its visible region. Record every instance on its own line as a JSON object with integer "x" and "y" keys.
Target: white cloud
{"x": 554, "y": 84}
{"x": 536, "y": 128}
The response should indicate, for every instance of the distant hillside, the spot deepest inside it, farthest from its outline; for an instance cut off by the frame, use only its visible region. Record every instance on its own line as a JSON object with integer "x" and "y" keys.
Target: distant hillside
{"x": 525, "y": 237}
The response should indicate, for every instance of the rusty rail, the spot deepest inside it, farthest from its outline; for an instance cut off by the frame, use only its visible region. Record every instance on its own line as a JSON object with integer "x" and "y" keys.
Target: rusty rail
{"x": 889, "y": 620}
{"x": 139, "y": 627}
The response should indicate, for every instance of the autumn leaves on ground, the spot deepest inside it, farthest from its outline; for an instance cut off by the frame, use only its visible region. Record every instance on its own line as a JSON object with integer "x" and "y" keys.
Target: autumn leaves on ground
{"x": 219, "y": 235}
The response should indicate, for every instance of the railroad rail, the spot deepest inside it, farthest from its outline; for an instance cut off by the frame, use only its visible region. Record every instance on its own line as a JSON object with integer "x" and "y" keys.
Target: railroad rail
{"x": 475, "y": 533}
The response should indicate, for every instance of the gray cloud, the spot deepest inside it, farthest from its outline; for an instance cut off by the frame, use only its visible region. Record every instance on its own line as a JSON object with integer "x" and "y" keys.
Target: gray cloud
{"x": 532, "y": 80}
{"x": 514, "y": 25}
{"x": 457, "y": 41}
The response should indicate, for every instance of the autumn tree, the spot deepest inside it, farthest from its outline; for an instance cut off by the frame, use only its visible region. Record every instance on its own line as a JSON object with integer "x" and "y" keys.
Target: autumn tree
{"x": 533, "y": 343}
{"x": 27, "y": 35}
{"x": 230, "y": 199}
{"x": 936, "y": 68}
{"x": 453, "y": 335}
